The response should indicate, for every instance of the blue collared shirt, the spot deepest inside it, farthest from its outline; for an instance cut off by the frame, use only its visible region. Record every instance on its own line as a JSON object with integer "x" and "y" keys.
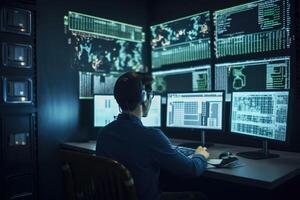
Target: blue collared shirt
{"x": 144, "y": 151}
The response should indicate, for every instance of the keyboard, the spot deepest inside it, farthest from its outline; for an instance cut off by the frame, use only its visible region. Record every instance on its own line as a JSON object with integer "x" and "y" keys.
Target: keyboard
{"x": 185, "y": 150}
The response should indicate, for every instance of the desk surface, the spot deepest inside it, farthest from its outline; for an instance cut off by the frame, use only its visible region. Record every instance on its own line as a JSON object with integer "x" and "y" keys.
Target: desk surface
{"x": 267, "y": 173}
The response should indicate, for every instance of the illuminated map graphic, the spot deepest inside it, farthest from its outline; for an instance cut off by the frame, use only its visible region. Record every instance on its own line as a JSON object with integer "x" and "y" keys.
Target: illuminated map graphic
{"x": 105, "y": 54}
{"x": 101, "y": 50}
{"x": 181, "y": 40}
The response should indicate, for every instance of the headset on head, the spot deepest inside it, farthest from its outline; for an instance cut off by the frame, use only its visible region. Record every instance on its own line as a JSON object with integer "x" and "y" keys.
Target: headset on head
{"x": 145, "y": 91}
{"x": 144, "y": 94}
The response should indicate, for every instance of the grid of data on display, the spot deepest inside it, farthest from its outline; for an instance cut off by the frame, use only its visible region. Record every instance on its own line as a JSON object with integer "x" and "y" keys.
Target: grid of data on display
{"x": 260, "y": 114}
{"x": 104, "y": 84}
{"x": 106, "y": 109}
{"x": 268, "y": 74}
{"x": 98, "y": 26}
{"x": 85, "y": 83}
{"x": 103, "y": 45}
{"x": 192, "y": 110}
{"x": 199, "y": 79}
{"x": 182, "y": 40}
{"x": 153, "y": 118}
{"x": 95, "y": 83}
{"x": 101, "y": 50}
{"x": 258, "y": 26}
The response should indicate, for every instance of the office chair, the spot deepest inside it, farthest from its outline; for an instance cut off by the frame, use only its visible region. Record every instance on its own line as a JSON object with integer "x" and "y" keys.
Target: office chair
{"x": 90, "y": 177}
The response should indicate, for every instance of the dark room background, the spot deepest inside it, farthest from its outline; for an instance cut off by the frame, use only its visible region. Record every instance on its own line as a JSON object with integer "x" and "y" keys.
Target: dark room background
{"x": 63, "y": 117}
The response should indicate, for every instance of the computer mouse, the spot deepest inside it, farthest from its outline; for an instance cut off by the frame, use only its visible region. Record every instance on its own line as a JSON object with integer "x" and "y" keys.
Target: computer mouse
{"x": 225, "y": 154}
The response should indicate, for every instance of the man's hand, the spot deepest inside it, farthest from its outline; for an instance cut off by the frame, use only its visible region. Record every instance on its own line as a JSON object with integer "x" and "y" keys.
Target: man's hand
{"x": 202, "y": 150}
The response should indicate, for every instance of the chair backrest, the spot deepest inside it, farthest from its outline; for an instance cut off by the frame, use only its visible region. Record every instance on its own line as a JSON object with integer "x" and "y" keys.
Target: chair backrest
{"x": 90, "y": 177}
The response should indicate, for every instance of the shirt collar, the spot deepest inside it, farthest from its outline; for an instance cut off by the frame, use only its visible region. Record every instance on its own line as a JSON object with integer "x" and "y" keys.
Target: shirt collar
{"x": 130, "y": 117}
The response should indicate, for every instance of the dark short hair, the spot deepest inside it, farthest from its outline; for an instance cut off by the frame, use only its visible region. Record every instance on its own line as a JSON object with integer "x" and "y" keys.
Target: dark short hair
{"x": 128, "y": 89}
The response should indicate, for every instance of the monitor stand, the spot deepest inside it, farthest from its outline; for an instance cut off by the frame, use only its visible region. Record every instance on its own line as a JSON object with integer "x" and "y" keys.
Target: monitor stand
{"x": 194, "y": 145}
{"x": 260, "y": 154}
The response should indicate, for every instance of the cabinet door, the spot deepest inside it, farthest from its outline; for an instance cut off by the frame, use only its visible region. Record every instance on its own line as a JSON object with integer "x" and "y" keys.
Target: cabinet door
{"x": 19, "y": 152}
{"x": 20, "y": 187}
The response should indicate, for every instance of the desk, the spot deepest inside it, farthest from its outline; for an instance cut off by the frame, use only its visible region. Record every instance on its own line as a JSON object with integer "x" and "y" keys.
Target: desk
{"x": 265, "y": 174}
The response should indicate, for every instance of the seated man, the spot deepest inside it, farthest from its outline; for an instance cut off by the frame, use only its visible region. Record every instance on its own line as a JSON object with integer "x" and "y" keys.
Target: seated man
{"x": 144, "y": 151}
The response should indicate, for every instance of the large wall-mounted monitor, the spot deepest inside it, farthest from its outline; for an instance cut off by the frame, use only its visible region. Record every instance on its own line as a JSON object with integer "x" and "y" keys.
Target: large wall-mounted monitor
{"x": 106, "y": 109}
{"x": 255, "y": 27}
{"x": 181, "y": 40}
{"x": 195, "y": 78}
{"x": 261, "y": 114}
{"x": 199, "y": 110}
{"x": 266, "y": 74}
{"x": 102, "y": 49}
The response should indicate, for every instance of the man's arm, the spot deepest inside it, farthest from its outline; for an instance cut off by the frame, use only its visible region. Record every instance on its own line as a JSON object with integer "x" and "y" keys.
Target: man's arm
{"x": 174, "y": 161}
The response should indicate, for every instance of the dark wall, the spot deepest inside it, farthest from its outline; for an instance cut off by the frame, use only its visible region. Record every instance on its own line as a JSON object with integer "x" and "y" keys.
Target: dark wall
{"x": 167, "y": 10}
{"x": 61, "y": 116}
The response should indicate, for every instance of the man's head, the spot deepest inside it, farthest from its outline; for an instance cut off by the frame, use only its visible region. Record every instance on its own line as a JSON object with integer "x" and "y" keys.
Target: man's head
{"x": 133, "y": 90}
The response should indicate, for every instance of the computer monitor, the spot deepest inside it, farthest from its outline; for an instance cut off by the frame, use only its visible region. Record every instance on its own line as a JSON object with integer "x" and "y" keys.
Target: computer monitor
{"x": 262, "y": 115}
{"x": 191, "y": 78}
{"x": 101, "y": 50}
{"x": 259, "y": 75}
{"x": 255, "y": 27}
{"x": 181, "y": 40}
{"x": 154, "y": 116}
{"x": 106, "y": 109}
{"x": 197, "y": 110}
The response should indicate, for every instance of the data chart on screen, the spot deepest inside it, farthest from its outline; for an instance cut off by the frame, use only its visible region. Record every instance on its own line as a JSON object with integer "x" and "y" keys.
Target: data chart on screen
{"x": 191, "y": 78}
{"x": 181, "y": 40}
{"x": 195, "y": 110}
{"x": 101, "y": 50}
{"x": 106, "y": 110}
{"x": 255, "y": 27}
{"x": 153, "y": 118}
{"x": 251, "y": 75}
{"x": 260, "y": 114}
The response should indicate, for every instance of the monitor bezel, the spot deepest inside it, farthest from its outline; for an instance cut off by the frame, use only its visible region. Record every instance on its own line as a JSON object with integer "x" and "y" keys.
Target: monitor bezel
{"x": 287, "y": 136}
{"x": 193, "y": 128}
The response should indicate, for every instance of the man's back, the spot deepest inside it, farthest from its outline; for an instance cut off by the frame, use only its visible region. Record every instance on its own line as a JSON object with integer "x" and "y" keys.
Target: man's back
{"x": 144, "y": 151}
